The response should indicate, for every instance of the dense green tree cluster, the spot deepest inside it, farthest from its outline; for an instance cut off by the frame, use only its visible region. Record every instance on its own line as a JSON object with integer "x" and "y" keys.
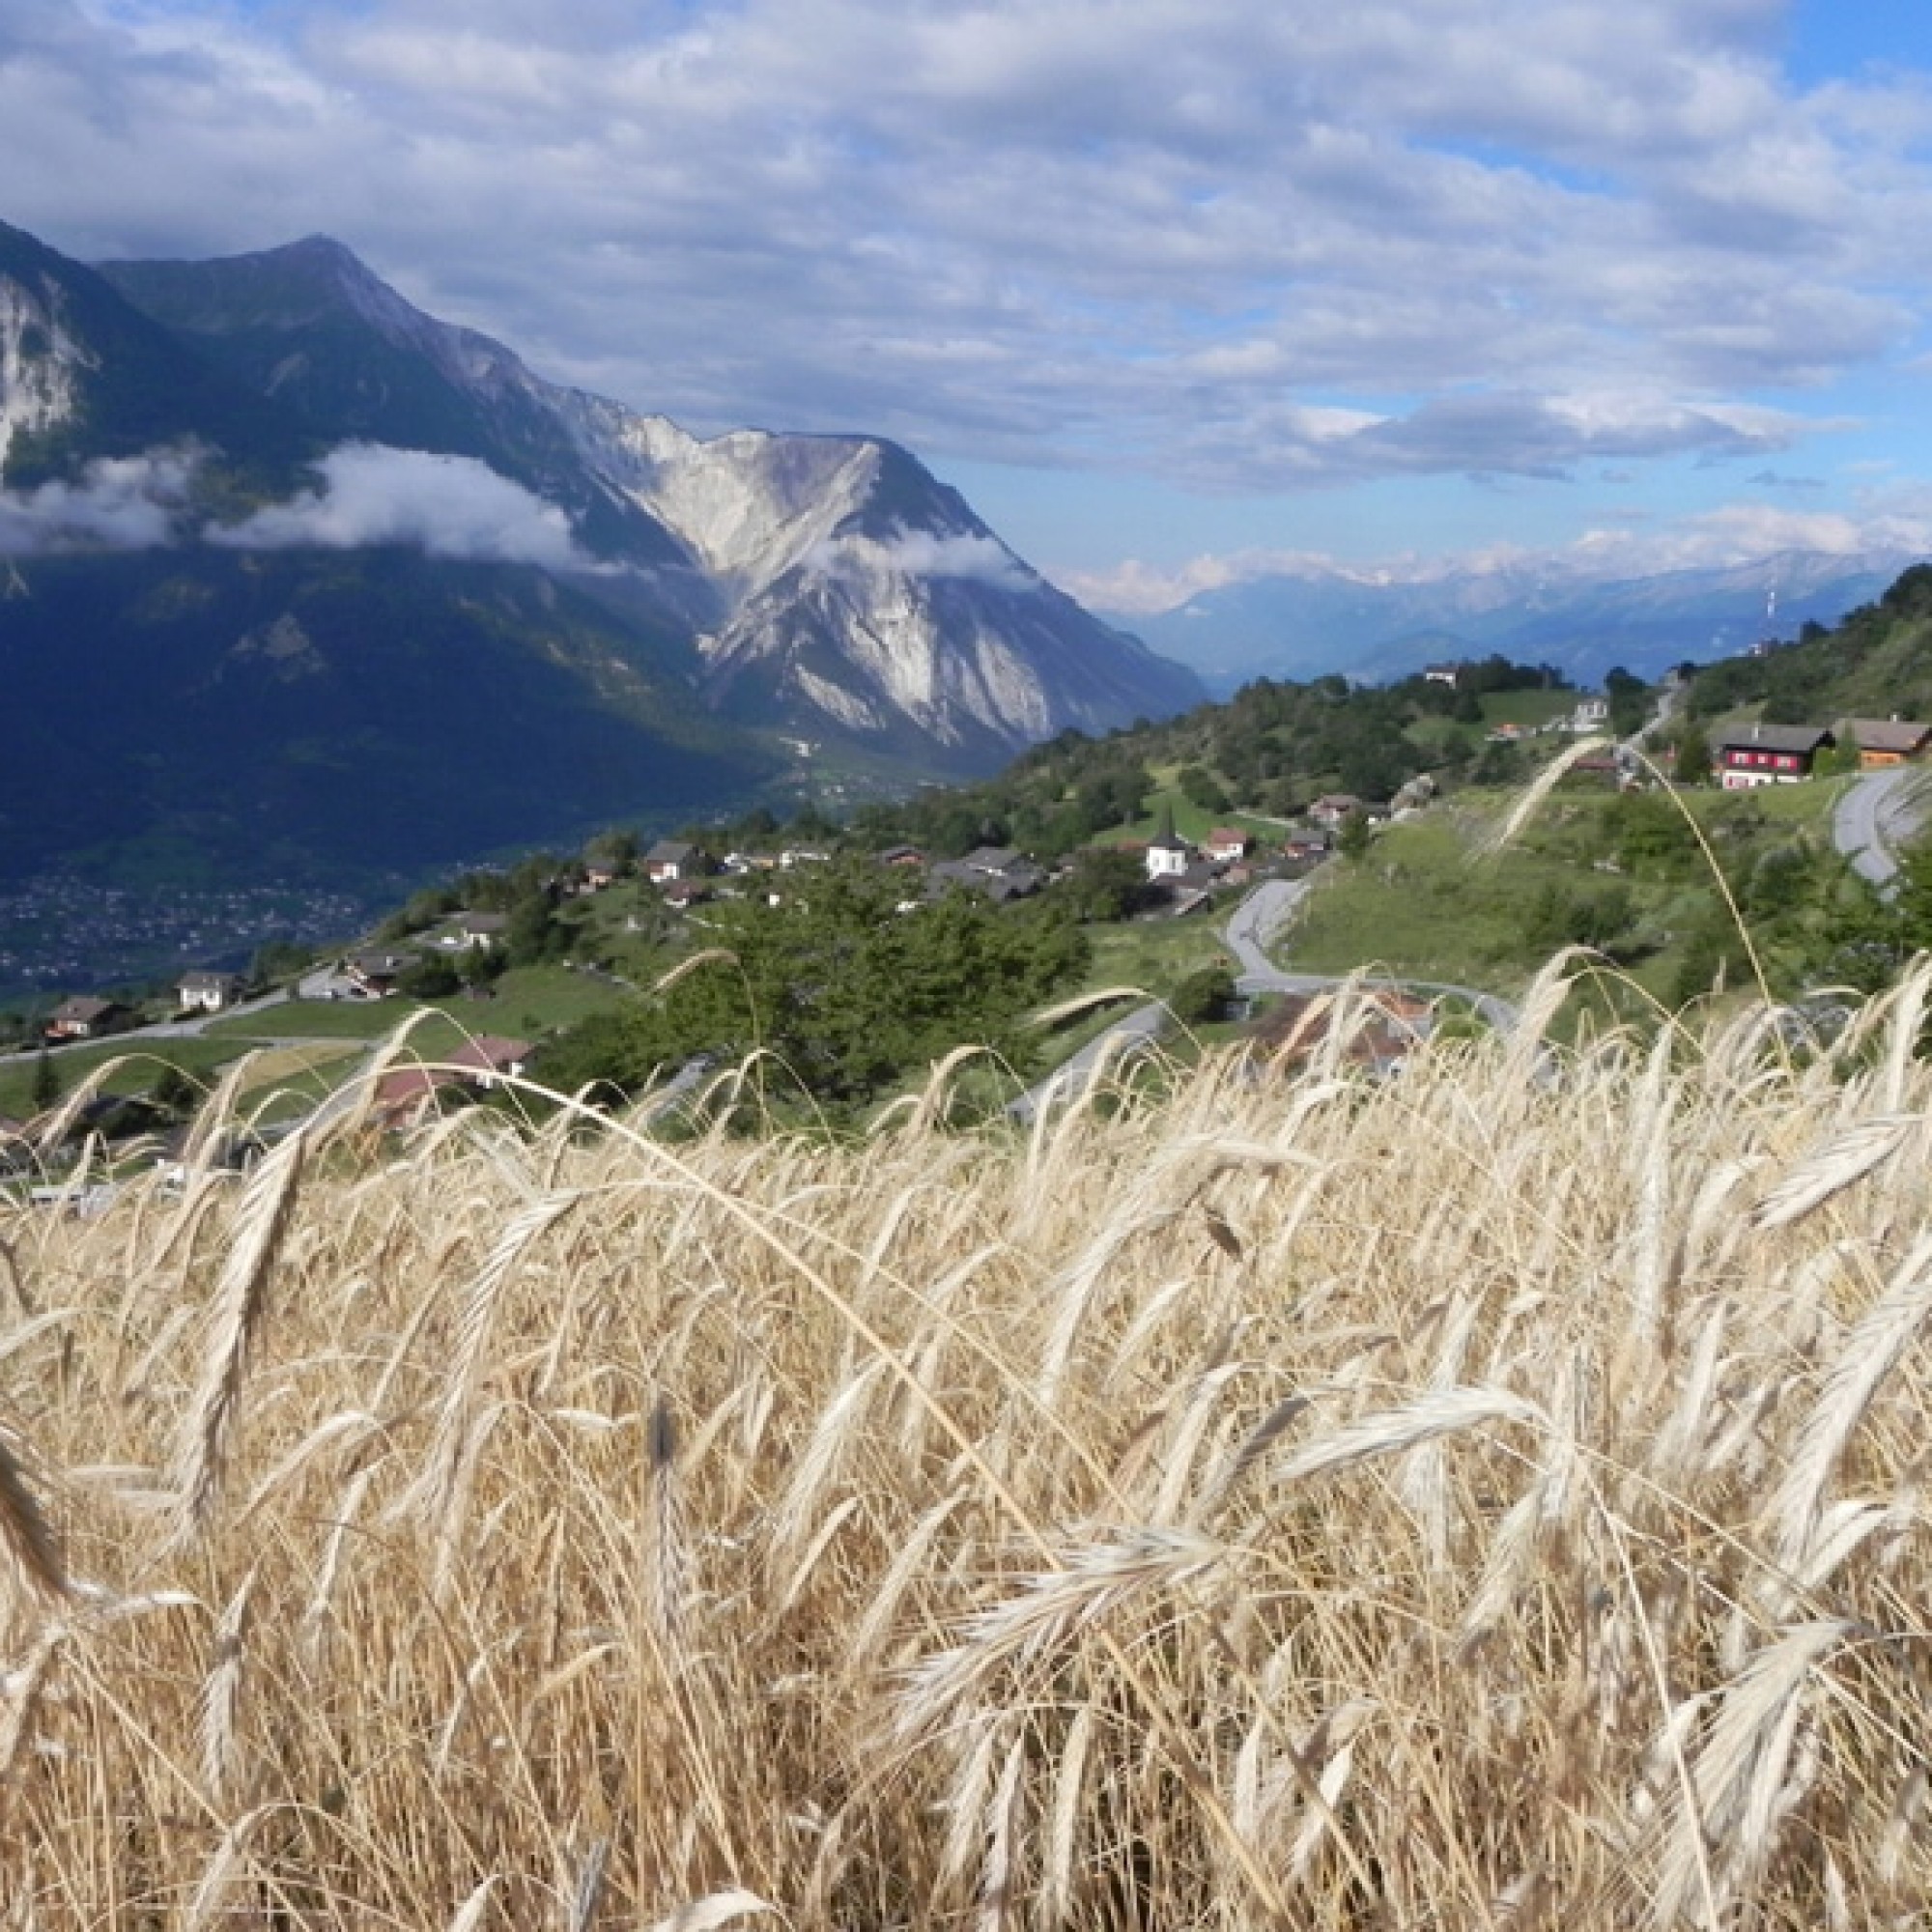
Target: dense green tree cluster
{"x": 849, "y": 994}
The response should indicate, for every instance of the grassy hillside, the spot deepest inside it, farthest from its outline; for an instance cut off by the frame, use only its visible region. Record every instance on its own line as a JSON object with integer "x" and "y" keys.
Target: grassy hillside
{"x": 1622, "y": 874}
{"x": 1877, "y": 663}
{"x": 1489, "y": 1497}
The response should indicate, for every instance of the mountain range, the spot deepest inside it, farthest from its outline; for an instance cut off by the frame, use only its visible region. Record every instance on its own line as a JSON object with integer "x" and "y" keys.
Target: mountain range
{"x": 295, "y": 577}
{"x": 1308, "y": 623}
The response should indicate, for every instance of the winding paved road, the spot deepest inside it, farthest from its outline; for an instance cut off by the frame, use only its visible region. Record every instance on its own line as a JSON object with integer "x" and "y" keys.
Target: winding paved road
{"x": 1271, "y": 905}
{"x": 1878, "y": 813}
{"x": 1251, "y": 925}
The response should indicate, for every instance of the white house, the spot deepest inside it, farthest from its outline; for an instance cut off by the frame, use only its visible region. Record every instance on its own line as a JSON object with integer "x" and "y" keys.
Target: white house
{"x": 1168, "y": 854}
{"x": 205, "y": 992}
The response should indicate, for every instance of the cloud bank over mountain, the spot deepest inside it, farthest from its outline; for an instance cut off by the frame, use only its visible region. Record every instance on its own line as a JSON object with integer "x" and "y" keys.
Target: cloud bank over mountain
{"x": 118, "y": 504}
{"x": 446, "y": 506}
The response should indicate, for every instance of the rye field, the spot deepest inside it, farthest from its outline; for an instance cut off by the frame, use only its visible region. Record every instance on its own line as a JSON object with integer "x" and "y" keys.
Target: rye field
{"x": 1489, "y": 1497}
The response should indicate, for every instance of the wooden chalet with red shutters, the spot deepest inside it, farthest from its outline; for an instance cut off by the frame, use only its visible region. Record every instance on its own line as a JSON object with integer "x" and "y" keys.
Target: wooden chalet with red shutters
{"x": 1747, "y": 756}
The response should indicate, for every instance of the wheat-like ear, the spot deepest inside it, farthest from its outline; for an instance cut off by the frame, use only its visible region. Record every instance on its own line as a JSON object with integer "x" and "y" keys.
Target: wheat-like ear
{"x": 25, "y": 1534}
{"x": 435, "y": 1488}
{"x": 17, "y": 1278}
{"x": 1740, "y": 1769}
{"x": 59, "y": 1123}
{"x": 1535, "y": 795}
{"x": 208, "y": 1904}
{"x": 220, "y": 1692}
{"x": 1848, "y": 1157}
{"x": 1059, "y": 1890}
{"x": 1050, "y": 1610}
{"x": 1085, "y": 1003}
{"x": 709, "y": 1915}
{"x": 470, "y": 1913}
{"x": 589, "y": 1891}
{"x": 1871, "y": 1351}
{"x": 239, "y": 1298}
{"x": 1446, "y": 1412}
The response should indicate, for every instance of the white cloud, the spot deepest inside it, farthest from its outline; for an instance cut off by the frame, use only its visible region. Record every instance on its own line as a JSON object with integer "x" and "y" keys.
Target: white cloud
{"x": 1195, "y": 236}
{"x": 127, "y": 503}
{"x": 449, "y": 506}
{"x": 1898, "y": 524}
{"x": 976, "y": 559}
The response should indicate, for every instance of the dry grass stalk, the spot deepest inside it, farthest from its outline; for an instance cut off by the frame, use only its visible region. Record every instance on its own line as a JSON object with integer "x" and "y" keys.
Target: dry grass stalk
{"x": 1739, "y": 1775}
{"x": 220, "y": 1693}
{"x": 32, "y": 1549}
{"x": 713, "y": 1914}
{"x": 1584, "y": 1431}
{"x": 1847, "y": 1157}
{"x": 262, "y": 1222}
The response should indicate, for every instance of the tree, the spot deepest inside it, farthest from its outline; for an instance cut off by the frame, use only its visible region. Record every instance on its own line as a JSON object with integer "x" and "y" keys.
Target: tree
{"x": 1692, "y": 764}
{"x": 46, "y": 1089}
{"x": 847, "y": 994}
{"x": 1203, "y": 997}
{"x": 1200, "y": 787}
{"x": 432, "y": 978}
{"x": 1104, "y": 884}
{"x": 173, "y": 1090}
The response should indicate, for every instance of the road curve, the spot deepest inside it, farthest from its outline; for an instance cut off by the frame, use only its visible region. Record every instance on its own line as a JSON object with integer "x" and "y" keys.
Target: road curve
{"x": 1268, "y": 908}
{"x": 1256, "y": 920}
{"x": 1876, "y": 814}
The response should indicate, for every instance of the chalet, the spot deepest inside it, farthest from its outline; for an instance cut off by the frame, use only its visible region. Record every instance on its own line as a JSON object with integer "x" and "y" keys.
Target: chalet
{"x": 474, "y": 931}
{"x": 671, "y": 859}
{"x": 1591, "y": 714}
{"x": 1441, "y": 673}
{"x": 998, "y": 872}
{"x": 373, "y": 975}
{"x": 1599, "y": 766}
{"x": 1761, "y": 755}
{"x": 598, "y": 878}
{"x": 1305, "y": 847}
{"x": 1226, "y": 843}
{"x": 1333, "y": 808}
{"x": 1888, "y": 741}
{"x": 1168, "y": 854}
{"x": 907, "y": 856}
{"x": 801, "y": 854}
{"x": 206, "y": 992}
{"x": 1189, "y": 890}
{"x": 1383, "y": 1027}
{"x": 404, "y": 1098}
{"x": 84, "y": 1017}
{"x": 683, "y": 893}
{"x": 487, "y": 1059}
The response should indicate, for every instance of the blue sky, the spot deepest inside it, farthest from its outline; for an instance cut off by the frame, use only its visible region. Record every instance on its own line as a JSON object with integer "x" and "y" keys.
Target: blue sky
{"x": 1176, "y": 290}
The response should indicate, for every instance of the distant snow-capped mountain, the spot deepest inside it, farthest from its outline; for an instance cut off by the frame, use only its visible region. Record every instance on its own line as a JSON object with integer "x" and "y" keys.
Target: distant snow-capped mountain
{"x": 1312, "y": 622}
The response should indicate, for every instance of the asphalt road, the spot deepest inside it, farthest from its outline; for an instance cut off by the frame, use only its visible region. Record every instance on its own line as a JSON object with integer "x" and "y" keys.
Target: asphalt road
{"x": 1270, "y": 906}
{"x": 185, "y": 1028}
{"x": 1251, "y": 925}
{"x": 1875, "y": 815}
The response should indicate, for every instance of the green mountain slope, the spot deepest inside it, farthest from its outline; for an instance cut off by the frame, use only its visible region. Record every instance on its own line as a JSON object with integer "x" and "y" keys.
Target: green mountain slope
{"x": 1877, "y": 663}
{"x": 331, "y": 716}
